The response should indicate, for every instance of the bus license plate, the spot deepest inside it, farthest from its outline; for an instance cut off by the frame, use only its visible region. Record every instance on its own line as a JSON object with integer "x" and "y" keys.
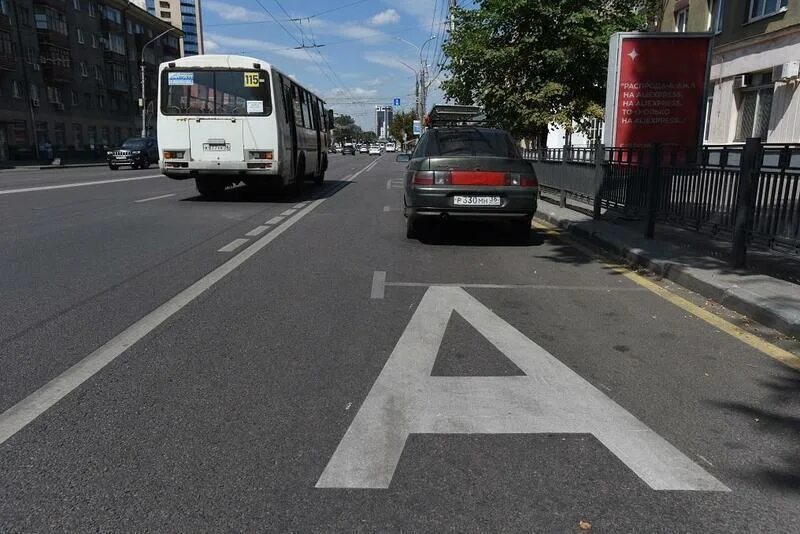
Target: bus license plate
{"x": 216, "y": 148}
{"x": 460, "y": 200}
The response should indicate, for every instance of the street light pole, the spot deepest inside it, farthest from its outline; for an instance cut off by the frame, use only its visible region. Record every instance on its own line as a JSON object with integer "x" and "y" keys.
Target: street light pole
{"x": 144, "y": 96}
{"x": 416, "y": 82}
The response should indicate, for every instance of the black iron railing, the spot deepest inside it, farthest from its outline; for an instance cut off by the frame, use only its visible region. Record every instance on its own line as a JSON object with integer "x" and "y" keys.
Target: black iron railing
{"x": 692, "y": 187}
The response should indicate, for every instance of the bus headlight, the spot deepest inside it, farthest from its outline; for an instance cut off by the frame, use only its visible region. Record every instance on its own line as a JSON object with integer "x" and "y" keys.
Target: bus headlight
{"x": 174, "y": 154}
{"x": 261, "y": 154}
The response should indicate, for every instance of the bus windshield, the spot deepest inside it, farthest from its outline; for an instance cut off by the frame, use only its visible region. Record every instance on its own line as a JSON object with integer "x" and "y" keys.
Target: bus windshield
{"x": 215, "y": 92}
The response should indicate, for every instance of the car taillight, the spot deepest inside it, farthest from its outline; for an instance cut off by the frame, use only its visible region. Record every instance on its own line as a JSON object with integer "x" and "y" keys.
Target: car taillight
{"x": 422, "y": 178}
{"x": 521, "y": 180}
{"x": 173, "y": 154}
{"x": 261, "y": 154}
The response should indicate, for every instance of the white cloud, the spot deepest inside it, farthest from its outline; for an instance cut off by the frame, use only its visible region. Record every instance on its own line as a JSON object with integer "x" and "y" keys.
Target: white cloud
{"x": 354, "y": 92}
{"x": 210, "y": 45}
{"x": 346, "y": 30}
{"x": 232, "y": 11}
{"x": 390, "y": 16}
{"x": 388, "y": 60}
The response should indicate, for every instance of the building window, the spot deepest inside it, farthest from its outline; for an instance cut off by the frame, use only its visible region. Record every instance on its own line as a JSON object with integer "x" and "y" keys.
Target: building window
{"x": 42, "y": 135}
{"x": 94, "y": 41}
{"x": 681, "y": 19}
{"x": 104, "y": 135}
{"x": 101, "y": 102}
{"x": 718, "y": 16}
{"x": 117, "y": 136}
{"x": 84, "y": 70}
{"x": 115, "y": 43}
{"x": 92, "y": 9}
{"x": 114, "y": 15}
{"x": 91, "y": 136}
{"x": 765, "y": 8}
{"x": 34, "y": 91}
{"x": 50, "y": 20}
{"x": 53, "y": 95}
{"x": 87, "y": 100}
{"x": 165, "y": 14}
{"x": 79, "y": 32}
{"x": 4, "y": 7}
{"x": 16, "y": 91}
{"x": 24, "y": 16}
{"x": 60, "y": 131}
{"x": 77, "y": 136}
{"x": 130, "y": 28}
{"x": 76, "y": 5}
{"x": 74, "y": 98}
{"x": 755, "y": 105}
{"x": 97, "y": 74}
{"x": 6, "y": 46}
{"x": 164, "y": 5}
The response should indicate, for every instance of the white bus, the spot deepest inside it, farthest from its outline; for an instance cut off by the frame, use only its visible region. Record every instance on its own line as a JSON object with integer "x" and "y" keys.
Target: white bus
{"x": 226, "y": 119}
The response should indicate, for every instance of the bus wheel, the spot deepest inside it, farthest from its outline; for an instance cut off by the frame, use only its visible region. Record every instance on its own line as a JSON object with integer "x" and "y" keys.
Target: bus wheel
{"x": 210, "y": 187}
{"x": 318, "y": 180}
{"x": 299, "y": 184}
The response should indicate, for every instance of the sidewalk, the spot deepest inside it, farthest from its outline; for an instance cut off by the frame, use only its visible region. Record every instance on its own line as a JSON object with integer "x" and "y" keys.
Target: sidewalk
{"x": 39, "y": 167}
{"x": 768, "y": 290}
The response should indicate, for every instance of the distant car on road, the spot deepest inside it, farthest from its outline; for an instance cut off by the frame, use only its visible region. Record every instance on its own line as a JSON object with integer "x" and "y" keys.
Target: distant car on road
{"x": 375, "y": 150}
{"x": 348, "y": 148}
{"x": 363, "y": 149}
{"x": 138, "y": 152}
{"x": 471, "y": 173}
{"x": 391, "y": 147}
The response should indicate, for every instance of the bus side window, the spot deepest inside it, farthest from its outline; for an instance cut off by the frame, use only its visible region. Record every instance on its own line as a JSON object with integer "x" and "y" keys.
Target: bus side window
{"x": 309, "y": 115}
{"x": 285, "y": 96}
{"x": 298, "y": 106}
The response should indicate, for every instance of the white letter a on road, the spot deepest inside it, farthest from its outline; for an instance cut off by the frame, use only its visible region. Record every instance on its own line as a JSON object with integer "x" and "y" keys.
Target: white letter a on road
{"x": 552, "y": 398}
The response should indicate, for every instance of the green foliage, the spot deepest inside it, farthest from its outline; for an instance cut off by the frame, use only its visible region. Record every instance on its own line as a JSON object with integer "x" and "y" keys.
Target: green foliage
{"x": 345, "y": 129}
{"x": 369, "y": 137}
{"x": 402, "y": 122}
{"x": 530, "y": 63}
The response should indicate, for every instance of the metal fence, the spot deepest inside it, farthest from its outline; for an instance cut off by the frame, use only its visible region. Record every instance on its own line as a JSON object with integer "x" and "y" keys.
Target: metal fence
{"x": 693, "y": 187}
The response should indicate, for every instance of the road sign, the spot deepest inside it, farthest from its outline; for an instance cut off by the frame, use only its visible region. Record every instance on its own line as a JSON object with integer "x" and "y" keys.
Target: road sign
{"x": 417, "y": 127}
{"x": 550, "y": 398}
{"x": 396, "y": 102}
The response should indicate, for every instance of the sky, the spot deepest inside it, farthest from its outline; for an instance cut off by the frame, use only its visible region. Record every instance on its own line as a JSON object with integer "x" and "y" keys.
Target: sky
{"x": 361, "y": 63}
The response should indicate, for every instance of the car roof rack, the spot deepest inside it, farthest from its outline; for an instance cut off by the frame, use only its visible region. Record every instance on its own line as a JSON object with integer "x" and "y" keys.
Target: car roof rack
{"x": 450, "y": 116}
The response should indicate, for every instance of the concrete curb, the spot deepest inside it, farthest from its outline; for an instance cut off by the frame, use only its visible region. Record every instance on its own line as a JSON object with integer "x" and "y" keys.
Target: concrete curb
{"x": 701, "y": 281}
{"x": 72, "y": 166}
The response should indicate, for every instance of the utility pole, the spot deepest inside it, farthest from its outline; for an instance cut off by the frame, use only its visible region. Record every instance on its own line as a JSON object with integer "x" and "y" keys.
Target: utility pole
{"x": 423, "y": 92}
{"x": 144, "y": 95}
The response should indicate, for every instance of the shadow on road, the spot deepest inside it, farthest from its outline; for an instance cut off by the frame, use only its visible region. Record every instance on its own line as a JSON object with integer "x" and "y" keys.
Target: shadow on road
{"x": 273, "y": 194}
{"x": 476, "y": 233}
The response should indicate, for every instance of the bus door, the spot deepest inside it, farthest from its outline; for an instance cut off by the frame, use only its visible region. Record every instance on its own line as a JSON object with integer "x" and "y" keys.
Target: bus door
{"x": 319, "y": 127}
{"x": 288, "y": 100}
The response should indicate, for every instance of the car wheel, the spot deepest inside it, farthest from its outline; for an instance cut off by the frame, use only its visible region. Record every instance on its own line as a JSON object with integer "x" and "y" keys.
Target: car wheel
{"x": 412, "y": 228}
{"x": 113, "y": 167}
{"x": 134, "y": 166}
{"x": 211, "y": 188}
{"x": 523, "y": 228}
{"x": 145, "y": 164}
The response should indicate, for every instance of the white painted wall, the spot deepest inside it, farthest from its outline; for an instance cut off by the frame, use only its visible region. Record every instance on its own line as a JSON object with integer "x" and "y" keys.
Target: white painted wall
{"x": 784, "y": 121}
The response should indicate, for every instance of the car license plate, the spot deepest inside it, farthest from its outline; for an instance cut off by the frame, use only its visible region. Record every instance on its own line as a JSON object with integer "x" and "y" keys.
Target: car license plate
{"x": 461, "y": 200}
{"x": 216, "y": 148}
{"x": 121, "y": 157}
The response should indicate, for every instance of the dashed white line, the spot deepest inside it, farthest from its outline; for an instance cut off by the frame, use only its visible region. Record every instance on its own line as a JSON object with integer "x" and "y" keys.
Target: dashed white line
{"x": 288, "y": 212}
{"x": 274, "y": 220}
{"x": 378, "y": 284}
{"x": 300, "y": 206}
{"x": 28, "y": 409}
{"x": 154, "y": 198}
{"x": 77, "y": 184}
{"x": 387, "y": 209}
{"x": 233, "y": 245}
{"x": 258, "y": 230}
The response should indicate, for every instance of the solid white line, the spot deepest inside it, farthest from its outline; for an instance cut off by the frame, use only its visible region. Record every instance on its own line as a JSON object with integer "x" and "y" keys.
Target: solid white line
{"x": 77, "y": 184}
{"x": 21, "y": 414}
{"x": 378, "y": 284}
{"x": 154, "y": 198}
{"x": 288, "y": 212}
{"x": 274, "y": 220}
{"x": 233, "y": 245}
{"x": 258, "y": 230}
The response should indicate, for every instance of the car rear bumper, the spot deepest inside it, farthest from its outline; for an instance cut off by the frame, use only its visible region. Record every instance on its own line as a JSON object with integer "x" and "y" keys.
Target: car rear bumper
{"x": 515, "y": 202}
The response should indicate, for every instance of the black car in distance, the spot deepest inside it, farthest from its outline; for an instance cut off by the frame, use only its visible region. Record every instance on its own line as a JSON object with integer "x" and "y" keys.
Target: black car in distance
{"x": 467, "y": 172}
{"x": 138, "y": 152}
{"x": 348, "y": 148}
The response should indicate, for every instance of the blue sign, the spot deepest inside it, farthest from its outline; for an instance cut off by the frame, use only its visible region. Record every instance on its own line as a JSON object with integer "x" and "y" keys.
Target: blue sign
{"x": 417, "y": 127}
{"x": 396, "y": 102}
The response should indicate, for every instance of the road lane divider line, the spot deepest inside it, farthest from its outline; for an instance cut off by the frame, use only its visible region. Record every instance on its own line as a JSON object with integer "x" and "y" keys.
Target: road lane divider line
{"x": 275, "y": 220}
{"x": 154, "y": 198}
{"x": 765, "y": 347}
{"x": 258, "y": 230}
{"x": 77, "y": 184}
{"x": 233, "y": 245}
{"x": 28, "y": 409}
{"x": 288, "y": 212}
{"x": 387, "y": 209}
{"x": 300, "y": 206}
{"x": 378, "y": 285}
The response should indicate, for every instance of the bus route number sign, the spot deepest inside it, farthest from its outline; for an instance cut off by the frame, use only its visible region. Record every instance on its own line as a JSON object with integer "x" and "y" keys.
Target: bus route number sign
{"x": 251, "y": 79}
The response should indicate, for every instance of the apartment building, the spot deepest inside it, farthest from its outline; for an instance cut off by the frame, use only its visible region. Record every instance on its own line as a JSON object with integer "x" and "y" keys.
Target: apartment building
{"x": 69, "y": 74}
{"x": 183, "y": 14}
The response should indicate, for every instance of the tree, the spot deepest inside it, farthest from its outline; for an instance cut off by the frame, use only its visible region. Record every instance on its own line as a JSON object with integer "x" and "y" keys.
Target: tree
{"x": 369, "y": 137}
{"x": 530, "y": 63}
{"x": 402, "y": 122}
{"x": 345, "y": 129}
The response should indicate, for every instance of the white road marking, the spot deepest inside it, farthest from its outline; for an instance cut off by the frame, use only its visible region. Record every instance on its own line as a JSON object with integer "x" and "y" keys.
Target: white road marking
{"x": 25, "y": 411}
{"x": 387, "y": 209}
{"x": 288, "y": 212}
{"x": 300, "y": 206}
{"x": 233, "y": 245}
{"x": 154, "y": 198}
{"x": 396, "y": 183}
{"x": 551, "y": 398}
{"x": 378, "y": 284}
{"x": 274, "y": 220}
{"x": 258, "y": 230}
{"x": 78, "y": 184}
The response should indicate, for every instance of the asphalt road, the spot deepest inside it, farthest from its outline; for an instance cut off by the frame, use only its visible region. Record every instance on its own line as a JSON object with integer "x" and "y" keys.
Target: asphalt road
{"x": 162, "y": 370}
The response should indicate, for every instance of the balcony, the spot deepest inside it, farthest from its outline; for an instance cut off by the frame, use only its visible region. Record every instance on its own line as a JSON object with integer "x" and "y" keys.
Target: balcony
{"x": 59, "y": 5}
{"x": 171, "y": 51}
{"x": 114, "y": 57}
{"x": 5, "y": 22}
{"x": 111, "y": 25}
{"x": 53, "y": 38}
{"x": 8, "y": 62}
{"x": 117, "y": 86}
{"x": 56, "y": 73}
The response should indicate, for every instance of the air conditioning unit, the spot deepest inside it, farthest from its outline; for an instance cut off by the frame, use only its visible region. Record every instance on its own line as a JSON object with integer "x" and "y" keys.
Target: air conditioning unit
{"x": 742, "y": 81}
{"x": 787, "y": 71}
{"x": 35, "y": 102}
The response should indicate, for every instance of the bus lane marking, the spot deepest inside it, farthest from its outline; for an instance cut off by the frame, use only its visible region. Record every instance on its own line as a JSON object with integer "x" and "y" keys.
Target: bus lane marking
{"x": 405, "y": 399}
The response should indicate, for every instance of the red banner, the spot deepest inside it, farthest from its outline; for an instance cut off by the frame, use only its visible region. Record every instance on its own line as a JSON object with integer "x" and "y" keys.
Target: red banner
{"x": 661, "y": 90}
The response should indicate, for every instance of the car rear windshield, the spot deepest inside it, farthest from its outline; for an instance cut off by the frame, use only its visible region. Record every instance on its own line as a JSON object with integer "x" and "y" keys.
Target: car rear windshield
{"x": 472, "y": 142}
{"x": 215, "y": 92}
